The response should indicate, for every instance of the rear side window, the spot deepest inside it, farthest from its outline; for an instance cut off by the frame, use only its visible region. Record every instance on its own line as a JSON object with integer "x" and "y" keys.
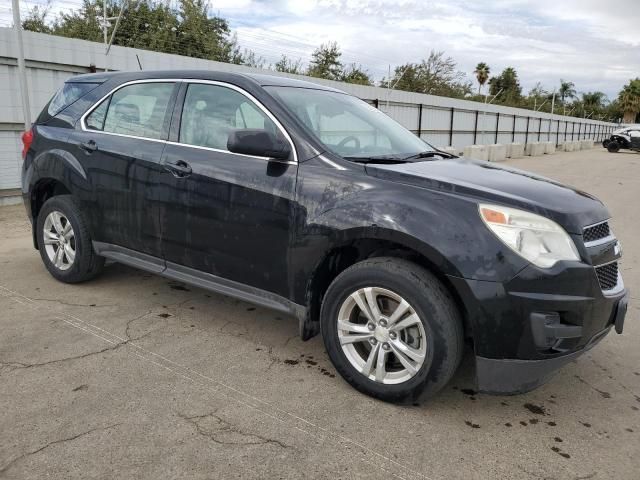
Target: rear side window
{"x": 139, "y": 110}
{"x": 69, "y": 93}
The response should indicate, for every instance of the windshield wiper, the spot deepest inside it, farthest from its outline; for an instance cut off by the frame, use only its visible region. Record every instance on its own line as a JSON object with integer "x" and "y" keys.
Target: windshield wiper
{"x": 377, "y": 159}
{"x": 396, "y": 159}
{"x": 429, "y": 154}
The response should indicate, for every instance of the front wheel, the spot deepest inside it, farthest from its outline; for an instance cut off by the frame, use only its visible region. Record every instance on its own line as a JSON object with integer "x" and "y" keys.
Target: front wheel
{"x": 613, "y": 146}
{"x": 392, "y": 329}
{"x": 605, "y": 142}
{"x": 64, "y": 241}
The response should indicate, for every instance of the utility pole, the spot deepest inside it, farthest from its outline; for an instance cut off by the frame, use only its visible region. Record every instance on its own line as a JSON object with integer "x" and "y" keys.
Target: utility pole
{"x": 22, "y": 69}
{"x": 553, "y": 101}
{"x": 105, "y": 30}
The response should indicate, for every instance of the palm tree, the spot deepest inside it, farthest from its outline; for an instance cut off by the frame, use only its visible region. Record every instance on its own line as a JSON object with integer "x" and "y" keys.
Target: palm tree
{"x": 567, "y": 90}
{"x": 629, "y": 100}
{"x": 482, "y": 72}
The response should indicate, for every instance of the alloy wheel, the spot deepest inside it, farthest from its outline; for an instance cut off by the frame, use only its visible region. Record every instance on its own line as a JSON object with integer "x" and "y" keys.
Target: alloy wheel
{"x": 381, "y": 335}
{"x": 59, "y": 240}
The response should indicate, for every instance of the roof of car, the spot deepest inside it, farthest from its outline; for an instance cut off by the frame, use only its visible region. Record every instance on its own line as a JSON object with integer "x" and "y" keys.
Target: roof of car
{"x": 216, "y": 75}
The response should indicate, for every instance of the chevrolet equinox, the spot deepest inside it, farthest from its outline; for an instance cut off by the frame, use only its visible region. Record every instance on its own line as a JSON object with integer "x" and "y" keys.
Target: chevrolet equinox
{"x": 306, "y": 200}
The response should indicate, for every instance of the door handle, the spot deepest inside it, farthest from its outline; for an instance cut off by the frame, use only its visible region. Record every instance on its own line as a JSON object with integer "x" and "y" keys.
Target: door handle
{"x": 89, "y": 146}
{"x": 178, "y": 168}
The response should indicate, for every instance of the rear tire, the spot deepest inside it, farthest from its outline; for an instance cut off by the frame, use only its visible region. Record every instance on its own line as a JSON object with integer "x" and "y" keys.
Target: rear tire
{"x": 431, "y": 328}
{"x": 64, "y": 241}
{"x": 613, "y": 146}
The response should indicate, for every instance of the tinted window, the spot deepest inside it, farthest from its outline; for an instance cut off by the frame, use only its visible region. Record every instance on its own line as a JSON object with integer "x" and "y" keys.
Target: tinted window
{"x": 139, "y": 110}
{"x": 348, "y": 126}
{"x": 212, "y": 112}
{"x": 68, "y": 94}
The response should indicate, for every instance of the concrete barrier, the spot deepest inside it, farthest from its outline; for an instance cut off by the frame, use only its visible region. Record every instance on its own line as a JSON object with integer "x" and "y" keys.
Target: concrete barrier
{"x": 451, "y": 150}
{"x": 566, "y": 147}
{"x": 586, "y": 144}
{"x": 476, "y": 152}
{"x": 497, "y": 152}
{"x": 515, "y": 150}
{"x": 549, "y": 147}
{"x": 535, "y": 149}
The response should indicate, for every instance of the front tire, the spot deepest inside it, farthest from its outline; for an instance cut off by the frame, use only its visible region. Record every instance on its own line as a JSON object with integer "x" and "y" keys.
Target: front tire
{"x": 613, "y": 146}
{"x": 64, "y": 241}
{"x": 392, "y": 329}
{"x": 605, "y": 142}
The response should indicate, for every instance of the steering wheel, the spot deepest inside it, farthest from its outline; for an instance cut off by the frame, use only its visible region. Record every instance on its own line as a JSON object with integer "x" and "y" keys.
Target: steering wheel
{"x": 348, "y": 139}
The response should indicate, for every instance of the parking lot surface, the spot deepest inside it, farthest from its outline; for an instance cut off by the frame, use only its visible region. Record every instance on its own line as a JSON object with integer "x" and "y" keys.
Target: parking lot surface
{"x": 135, "y": 376}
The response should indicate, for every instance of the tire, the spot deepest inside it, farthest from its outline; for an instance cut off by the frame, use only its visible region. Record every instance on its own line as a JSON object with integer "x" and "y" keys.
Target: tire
{"x": 605, "y": 142}
{"x": 437, "y": 334}
{"x": 84, "y": 264}
{"x": 613, "y": 146}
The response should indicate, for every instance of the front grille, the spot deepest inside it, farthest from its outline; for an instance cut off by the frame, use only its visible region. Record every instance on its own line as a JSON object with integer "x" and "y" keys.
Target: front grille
{"x": 608, "y": 275}
{"x": 596, "y": 232}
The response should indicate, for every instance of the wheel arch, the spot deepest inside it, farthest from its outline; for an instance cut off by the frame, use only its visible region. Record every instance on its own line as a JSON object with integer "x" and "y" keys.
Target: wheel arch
{"x": 360, "y": 246}
{"x": 41, "y": 191}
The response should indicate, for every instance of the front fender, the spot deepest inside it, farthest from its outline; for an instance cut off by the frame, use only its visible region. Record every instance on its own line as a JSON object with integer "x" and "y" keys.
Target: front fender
{"x": 445, "y": 229}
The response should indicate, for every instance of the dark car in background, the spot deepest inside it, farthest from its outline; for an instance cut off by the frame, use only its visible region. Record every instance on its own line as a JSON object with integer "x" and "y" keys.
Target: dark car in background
{"x": 306, "y": 200}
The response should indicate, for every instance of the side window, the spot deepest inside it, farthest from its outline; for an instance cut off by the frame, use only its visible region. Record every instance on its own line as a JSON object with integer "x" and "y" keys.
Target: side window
{"x": 139, "y": 110}
{"x": 212, "y": 112}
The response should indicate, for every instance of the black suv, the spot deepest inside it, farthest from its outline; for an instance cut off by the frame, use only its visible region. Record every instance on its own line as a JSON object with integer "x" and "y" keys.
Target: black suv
{"x": 306, "y": 200}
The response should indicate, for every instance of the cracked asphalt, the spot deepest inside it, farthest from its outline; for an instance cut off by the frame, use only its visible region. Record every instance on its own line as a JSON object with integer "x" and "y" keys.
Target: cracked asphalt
{"x": 135, "y": 376}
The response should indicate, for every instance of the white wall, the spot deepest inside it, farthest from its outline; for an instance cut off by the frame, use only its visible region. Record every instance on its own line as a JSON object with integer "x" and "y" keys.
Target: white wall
{"x": 51, "y": 60}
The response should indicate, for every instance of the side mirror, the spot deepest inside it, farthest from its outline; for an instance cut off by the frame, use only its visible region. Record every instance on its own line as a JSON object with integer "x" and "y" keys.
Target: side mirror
{"x": 261, "y": 143}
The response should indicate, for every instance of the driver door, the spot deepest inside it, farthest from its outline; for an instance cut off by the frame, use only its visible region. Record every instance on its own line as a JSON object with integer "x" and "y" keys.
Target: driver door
{"x": 225, "y": 214}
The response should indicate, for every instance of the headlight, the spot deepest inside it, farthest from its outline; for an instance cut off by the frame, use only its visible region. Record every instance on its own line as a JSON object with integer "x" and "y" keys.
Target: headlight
{"x": 538, "y": 239}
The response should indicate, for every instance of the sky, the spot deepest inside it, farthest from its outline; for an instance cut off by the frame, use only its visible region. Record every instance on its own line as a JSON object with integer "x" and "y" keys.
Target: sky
{"x": 593, "y": 43}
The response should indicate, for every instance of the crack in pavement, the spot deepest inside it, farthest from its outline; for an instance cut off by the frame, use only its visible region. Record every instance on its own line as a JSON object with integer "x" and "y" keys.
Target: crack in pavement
{"x": 12, "y": 366}
{"x": 224, "y": 427}
{"x": 55, "y": 442}
{"x": 71, "y": 304}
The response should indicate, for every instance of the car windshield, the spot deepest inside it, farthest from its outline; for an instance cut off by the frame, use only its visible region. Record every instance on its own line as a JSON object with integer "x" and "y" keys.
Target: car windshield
{"x": 349, "y": 126}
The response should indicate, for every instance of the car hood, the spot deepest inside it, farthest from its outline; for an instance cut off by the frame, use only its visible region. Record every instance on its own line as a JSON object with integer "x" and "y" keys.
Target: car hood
{"x": 487, "y": 182}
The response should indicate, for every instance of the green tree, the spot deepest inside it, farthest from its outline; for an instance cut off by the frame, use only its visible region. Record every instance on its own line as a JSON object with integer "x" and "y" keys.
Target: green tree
{"x": 356, "y": 74}
{"x": 506, "y": 87}
{"x": 36, "y": 20}
{"x": 325, "y": 62}
{"x": 482, "y": 72}
{"x": 436, "y": 75}
{"x": 567, "y": 91}
{"x": 288, "y": 65}
{"x": 188, "y": 29}
{"x": 629, "y": 100}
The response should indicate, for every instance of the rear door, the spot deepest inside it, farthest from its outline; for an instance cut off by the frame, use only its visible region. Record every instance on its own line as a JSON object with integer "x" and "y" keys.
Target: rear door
{"x": 225, "y": 214}
{"x": 120, "y": 144}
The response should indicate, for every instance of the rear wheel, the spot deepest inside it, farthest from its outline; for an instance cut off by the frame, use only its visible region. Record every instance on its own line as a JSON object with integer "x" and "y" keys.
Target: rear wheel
{"x": 392, "y": 329}
{"x": 613, "y": 146}
{"x": 64, "y": 241}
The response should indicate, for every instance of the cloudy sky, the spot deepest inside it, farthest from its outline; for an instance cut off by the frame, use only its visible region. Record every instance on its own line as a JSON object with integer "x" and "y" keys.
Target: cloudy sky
{"x": 593, "y": 43}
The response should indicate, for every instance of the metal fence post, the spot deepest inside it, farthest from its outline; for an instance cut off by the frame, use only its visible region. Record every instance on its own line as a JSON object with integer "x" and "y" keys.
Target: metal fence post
{"x": 539, "y": 128}
{"x": 22, "y": 68}
{"x": 475, "y": 128}
{"x": 376, "y": 103}
{"x": 497, "y": 125}
{"x": 526, "y": 135}
{"x": 513, "y": 130}
{"x": 453, "y": 112}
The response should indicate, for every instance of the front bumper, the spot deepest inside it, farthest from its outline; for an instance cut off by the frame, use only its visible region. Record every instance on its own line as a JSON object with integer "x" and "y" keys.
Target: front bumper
{"x": 526, "y": 329}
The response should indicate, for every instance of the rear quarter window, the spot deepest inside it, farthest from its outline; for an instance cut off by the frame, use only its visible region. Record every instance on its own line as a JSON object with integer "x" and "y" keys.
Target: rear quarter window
{"x": 68, "y": 94}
